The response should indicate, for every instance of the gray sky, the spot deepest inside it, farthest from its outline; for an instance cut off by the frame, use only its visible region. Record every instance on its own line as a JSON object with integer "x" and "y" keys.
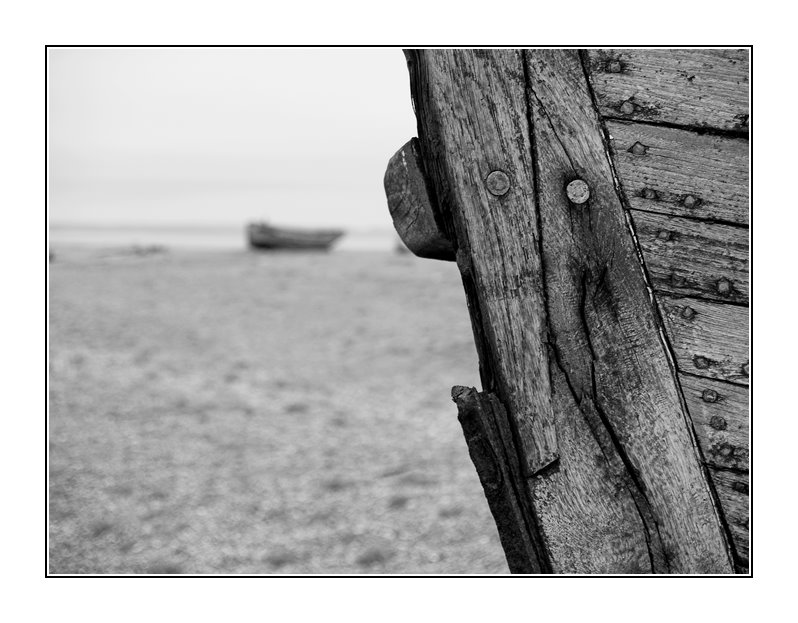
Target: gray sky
{"x": 221, "y": 135}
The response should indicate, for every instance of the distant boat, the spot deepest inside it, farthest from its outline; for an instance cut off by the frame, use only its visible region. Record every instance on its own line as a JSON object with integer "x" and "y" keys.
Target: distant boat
{"x": 263, "y": 236}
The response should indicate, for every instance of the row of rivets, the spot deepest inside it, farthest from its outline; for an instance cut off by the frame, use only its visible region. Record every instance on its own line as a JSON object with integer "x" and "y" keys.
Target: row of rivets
{"x": 498, "y": 184}
{"x": 723, "y": 286}
{"x": 688, "y": 201}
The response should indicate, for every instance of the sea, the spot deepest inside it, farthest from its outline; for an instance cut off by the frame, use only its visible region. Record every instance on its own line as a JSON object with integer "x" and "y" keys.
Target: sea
{"x": 196, "y": 237}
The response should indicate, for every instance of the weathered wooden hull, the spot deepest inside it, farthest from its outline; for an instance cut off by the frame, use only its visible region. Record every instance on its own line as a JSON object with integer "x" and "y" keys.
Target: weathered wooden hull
{"x": 596, "y": 203}
{"x": 268, "y": 238}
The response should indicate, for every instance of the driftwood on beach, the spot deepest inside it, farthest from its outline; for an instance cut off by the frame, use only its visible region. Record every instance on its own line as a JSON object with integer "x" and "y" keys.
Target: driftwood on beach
{"x": 596, "y": 204}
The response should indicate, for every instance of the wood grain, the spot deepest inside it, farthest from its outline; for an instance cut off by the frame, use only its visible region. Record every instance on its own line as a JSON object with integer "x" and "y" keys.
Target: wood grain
{"x": 708, "y": 339}
{"x": 694, "y": 258}
{"x": 719, "y": 412}
{"x": 593, "y": 526}
{"x": 682, "y": 173}
{"x": 698, "y": 88}
{"x": 411, "y": 206}
{"x": 733, "y": 491}
{"x": 604, "y": 331}
{"x": 466, "y": 138}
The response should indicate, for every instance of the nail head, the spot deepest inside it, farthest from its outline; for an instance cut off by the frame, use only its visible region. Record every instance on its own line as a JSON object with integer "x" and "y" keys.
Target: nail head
{"x": 678, "y": 280}
{"x": 724, "y": 287}
{"x": 638, "y": 149}
{"x": 745, "y": 368}
{"x": 614, "y": 67}
{"x": 498, "y": 183}
{"x": 690, "y": 201}
{"x": 702, "y": 363}
{"x": 627, "y": 108}
{"x": 664, "y": 235}
{"x": 649, "y": 193}
{"x": 578, "y": 192}
{"x": 688, "y": 312}
{"x": 718, "y": 423}
{"x": 709, "y": 395}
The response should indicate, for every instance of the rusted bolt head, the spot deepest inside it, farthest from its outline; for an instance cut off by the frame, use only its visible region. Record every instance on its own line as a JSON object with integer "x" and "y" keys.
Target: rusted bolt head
{"x": 744, "y": 368}
{"x": 664, "y": 235}
{"x": 702, "y": 363}
{"x": 689, "y": 201}
{"x": 638, "y": 149}
{"x": 649, "y": 193}
{"x": 627, "y": 108}
{"x": 498, "y": 183}
{"x": 688, "y": 312}
{"x": 717, "y": 422}
{"x": 578, "y": 192}
{"x": 614, "y": 67}
{"x": 709, "y": 395}
{"x": 724, "y": 287}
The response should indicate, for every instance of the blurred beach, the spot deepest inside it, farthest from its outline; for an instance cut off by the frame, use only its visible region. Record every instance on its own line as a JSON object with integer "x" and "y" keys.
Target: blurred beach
{"x": 214, "y": 410}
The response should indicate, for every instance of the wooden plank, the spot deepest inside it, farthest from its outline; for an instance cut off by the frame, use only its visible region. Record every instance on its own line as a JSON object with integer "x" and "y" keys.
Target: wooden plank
{"x": 604, "y": 332}
{"x": 682, "y": 173}
{"x": 496, "y": 459}
{"x": 411, "y": 206}
{"x": 732, "y": 491}
{"x": 709, "y": 339}
{"x": 698, "y": 88}
{"x": 694, "y": 258}
{"x": 486, "y": 172}
{"x": 720, "y": 415}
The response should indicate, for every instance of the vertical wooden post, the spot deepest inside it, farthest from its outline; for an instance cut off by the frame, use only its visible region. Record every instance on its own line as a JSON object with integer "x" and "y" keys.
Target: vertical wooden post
{"x": 581, "y": 438}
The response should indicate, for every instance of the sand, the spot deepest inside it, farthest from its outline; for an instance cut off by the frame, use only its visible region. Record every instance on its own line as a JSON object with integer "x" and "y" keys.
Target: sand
{"x": 228, "y": 412}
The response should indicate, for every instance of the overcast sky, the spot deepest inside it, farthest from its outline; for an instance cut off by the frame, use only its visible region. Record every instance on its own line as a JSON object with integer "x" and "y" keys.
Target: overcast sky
{"x": 217, "y": 135}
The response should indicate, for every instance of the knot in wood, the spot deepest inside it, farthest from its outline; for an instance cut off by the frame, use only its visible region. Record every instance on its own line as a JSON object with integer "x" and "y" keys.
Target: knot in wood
{"x": 578, "y": 192}
{"x": 498, "y": 183}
